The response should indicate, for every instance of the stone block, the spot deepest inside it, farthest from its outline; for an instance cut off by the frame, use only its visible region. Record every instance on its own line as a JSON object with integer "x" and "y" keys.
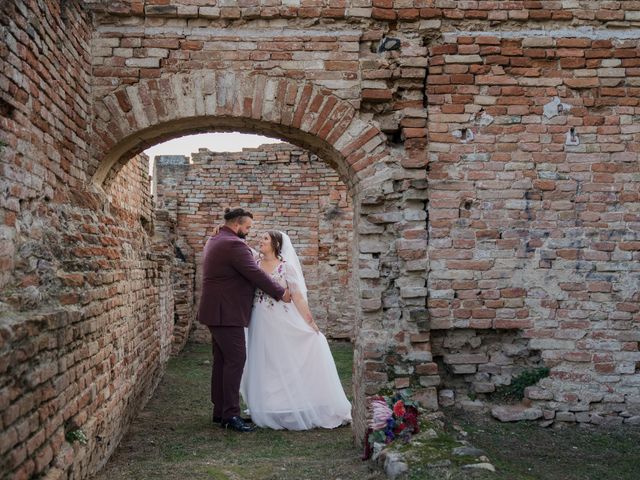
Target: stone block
{"x": 427, "y": 397}
{"x": 145, "y": 62}
{"x": 430, "y": 381}
{"x": 483, "y": 387}
{"x": 516, "y": 413}
{"x": 446, "y": 397}
{"x": 565, "y": 417}
{"x": 537, "y": 393}
{"x": 463, "y": 59}
{"x": 463, "y": 358}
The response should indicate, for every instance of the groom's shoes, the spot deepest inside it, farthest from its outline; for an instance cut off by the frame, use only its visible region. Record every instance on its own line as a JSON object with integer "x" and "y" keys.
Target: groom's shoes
{"x": 236, "y": 423}
{"x": 219, "y": 419}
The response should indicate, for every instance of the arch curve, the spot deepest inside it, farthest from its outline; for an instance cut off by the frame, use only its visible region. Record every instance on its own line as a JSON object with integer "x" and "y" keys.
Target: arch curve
{"x": 132, "y": 118}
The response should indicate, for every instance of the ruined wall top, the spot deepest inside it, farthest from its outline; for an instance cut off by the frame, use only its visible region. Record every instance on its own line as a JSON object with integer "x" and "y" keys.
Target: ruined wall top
{"x": 436, "y": 13}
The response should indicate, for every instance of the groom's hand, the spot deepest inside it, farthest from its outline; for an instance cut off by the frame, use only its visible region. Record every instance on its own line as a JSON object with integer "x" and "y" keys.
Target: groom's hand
{"x": 286, "y": 298}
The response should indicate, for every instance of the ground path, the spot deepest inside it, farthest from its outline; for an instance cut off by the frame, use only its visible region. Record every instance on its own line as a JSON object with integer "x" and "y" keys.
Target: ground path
{"x": 173, "y": 437}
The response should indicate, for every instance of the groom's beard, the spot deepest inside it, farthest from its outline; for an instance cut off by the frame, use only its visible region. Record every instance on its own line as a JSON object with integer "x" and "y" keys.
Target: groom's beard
{"x": 242, "y": 235}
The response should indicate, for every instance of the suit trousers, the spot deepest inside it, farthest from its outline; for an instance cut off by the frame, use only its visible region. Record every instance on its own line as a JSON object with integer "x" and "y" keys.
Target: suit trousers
{"x": 229, "y": 356}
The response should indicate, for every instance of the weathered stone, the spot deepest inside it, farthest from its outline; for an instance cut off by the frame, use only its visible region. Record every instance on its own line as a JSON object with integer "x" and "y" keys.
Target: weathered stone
{"x": 484, "y": 387}
{"x": 467, "y": 451}
{"x": 446, "y": 397}
{"x": 565, "y": 417}
{"x": 471, "y": 405}
{"x": 515, "y": 413}
{"x": 463, "y": 358}
{"x": 537, "y": 393}
{"x": 395, "y": 465}
{"x": 428, "y": 397}
{"x": 480, "y": 466}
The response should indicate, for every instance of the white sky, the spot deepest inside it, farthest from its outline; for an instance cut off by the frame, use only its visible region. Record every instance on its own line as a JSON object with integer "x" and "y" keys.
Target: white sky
{"x": 216, "y": 142}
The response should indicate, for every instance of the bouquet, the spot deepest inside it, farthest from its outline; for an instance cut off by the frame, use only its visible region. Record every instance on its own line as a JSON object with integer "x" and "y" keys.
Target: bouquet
{"x": 391, "y": 417}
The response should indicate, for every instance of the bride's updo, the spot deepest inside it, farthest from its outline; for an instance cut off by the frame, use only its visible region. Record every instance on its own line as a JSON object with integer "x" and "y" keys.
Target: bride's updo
{"x": 276, "y": 242}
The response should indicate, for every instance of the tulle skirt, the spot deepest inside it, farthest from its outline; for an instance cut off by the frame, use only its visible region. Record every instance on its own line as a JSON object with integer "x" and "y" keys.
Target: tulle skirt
{"x": 290, "y": 379}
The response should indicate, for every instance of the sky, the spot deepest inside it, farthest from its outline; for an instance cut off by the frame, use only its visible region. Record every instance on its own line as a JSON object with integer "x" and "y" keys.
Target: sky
{"x": 216, "y": 142}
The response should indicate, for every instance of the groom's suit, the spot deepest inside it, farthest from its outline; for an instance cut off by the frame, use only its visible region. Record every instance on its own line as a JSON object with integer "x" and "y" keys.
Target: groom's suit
{"x": 230, "y": 276}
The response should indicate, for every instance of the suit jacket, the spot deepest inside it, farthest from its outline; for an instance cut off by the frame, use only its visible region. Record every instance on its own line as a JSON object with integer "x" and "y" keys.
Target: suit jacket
{"x": 230, "y": 276}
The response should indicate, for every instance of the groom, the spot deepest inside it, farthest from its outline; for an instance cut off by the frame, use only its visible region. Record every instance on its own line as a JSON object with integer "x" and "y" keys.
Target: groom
{"x": 230, "y": 276}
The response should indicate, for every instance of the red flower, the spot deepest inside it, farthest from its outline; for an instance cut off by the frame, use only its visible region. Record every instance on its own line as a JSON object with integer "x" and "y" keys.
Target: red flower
{"x": 398, "y": 409}
{"x": 399, "y": 428}
{"x": 411, "y": 418}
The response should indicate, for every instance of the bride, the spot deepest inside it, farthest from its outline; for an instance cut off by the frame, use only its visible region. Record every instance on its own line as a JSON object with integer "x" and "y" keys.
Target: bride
{"x": 290, "y": 380}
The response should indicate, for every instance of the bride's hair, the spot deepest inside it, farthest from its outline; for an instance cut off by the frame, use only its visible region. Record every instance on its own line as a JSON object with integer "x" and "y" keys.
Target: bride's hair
{"x": 276, "y": 242}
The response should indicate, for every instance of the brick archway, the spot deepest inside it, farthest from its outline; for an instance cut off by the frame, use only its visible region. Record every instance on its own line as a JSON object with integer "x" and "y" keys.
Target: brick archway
{"x": 132, "y": 118}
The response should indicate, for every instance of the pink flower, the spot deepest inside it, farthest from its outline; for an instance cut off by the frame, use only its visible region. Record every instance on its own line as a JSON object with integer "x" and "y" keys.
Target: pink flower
{"x": 380, "y": 413}
{"x": 398, "y": 409}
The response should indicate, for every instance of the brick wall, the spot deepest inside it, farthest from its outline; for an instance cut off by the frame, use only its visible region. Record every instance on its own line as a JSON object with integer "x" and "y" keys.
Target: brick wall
{"x": 287, "y": 189}
{"x": 85, "y": 315}
{"x": 533, "y": 235}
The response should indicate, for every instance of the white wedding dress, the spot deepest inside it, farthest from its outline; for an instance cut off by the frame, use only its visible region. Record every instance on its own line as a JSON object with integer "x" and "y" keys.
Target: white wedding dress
{"x": 290, "y": 379}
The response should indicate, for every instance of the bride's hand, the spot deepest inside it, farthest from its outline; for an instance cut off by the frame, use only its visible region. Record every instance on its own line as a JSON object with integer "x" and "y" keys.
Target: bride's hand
{"x": 286, "y": 298}
{"x": 313, "y": 325}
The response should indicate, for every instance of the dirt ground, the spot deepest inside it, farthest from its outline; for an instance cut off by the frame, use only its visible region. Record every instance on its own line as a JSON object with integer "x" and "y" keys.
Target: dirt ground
{"x": 173, "y": 438}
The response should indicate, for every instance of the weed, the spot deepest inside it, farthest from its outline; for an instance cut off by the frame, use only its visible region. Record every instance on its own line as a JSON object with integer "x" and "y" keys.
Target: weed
{"x": 76, "y": 435}
{"x": 515, "y": 391}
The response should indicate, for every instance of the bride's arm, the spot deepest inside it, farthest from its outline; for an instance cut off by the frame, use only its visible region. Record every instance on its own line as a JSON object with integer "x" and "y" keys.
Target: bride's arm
{"x": 297, "y": 296}
{"x": 303, "y": 307}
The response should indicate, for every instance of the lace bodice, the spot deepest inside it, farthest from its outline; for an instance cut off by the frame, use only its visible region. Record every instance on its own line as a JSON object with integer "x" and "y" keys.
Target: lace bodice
{"x": 279, "y": 275}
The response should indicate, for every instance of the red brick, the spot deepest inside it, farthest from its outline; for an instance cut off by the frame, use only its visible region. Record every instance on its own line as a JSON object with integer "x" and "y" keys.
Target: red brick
{"x": 579, "y": 83}
{"x": 383, "y": 14}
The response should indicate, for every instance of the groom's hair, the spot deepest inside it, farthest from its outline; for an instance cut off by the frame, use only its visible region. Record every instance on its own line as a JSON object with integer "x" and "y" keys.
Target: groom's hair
{"x": 236, "y": 214}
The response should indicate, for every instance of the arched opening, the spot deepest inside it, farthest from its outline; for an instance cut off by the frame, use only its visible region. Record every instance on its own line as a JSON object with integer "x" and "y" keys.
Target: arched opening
{"x": 287, "y": 188}
{"x": 389, "y": 241}
{"x": 134, "y": 118}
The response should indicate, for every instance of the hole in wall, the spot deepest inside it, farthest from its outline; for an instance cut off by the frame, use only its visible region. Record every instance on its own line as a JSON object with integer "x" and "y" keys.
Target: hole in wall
{"x": 6, "y": 109}
{"x": 396, "y": 138}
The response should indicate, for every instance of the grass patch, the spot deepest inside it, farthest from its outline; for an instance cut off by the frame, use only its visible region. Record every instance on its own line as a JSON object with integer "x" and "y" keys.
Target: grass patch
{"x": 343, "y": 356}
{"x": 525, "y": 451}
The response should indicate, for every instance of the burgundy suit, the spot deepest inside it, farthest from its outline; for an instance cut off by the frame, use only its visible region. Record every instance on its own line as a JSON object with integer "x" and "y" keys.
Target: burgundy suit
{"x": 230, "y": 276}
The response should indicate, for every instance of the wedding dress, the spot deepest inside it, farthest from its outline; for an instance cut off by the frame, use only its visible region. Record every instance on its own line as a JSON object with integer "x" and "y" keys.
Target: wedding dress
{"x": 290, "y": 379}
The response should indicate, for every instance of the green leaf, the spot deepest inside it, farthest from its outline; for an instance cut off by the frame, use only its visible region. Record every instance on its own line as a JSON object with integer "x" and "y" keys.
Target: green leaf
{"x": 377, "y": 436}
